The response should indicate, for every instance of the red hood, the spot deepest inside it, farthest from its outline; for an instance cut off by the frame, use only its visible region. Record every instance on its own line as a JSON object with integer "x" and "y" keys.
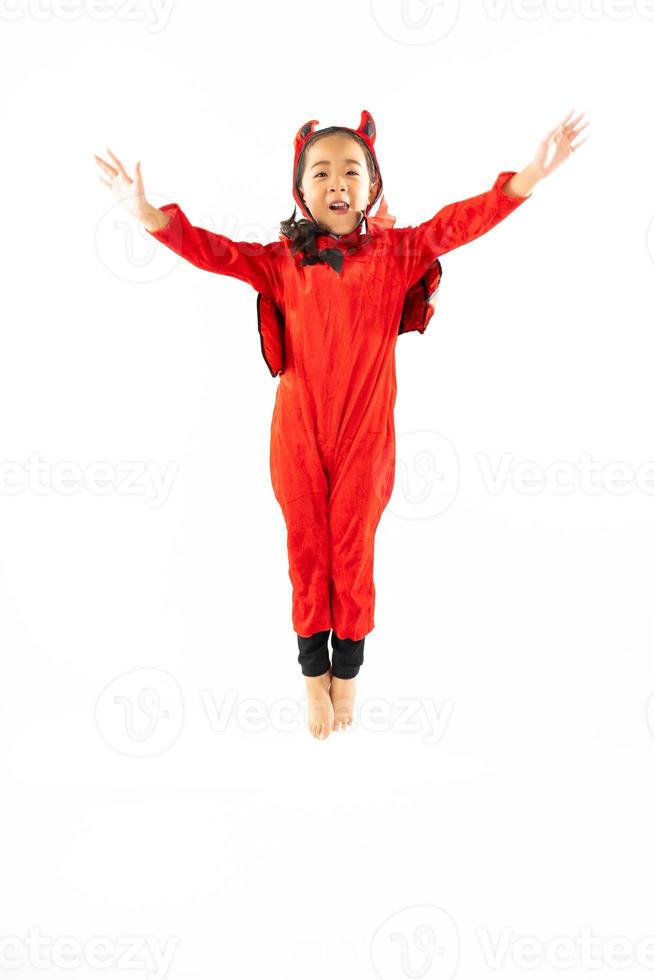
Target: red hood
{"x": 367, "y": 131}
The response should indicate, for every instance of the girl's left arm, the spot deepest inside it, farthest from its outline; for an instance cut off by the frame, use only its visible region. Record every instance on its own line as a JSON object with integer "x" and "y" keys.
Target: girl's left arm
{"x": 455, "y": 225}
{"x": 560, "y": 139}
{"x": 462, "y": 222}
{"x": 522, "y": 184}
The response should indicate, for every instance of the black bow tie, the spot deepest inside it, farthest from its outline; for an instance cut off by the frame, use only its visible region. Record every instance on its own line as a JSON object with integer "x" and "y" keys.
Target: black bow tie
{"x": 332, "y": 256}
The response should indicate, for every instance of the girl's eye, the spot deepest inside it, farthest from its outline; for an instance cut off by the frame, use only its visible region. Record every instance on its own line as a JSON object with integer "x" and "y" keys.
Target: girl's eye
{"x": 321, "y": 173}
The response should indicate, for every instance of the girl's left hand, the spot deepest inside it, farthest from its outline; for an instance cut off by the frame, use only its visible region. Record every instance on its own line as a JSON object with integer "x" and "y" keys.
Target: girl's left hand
{"x": 560, "y": 140}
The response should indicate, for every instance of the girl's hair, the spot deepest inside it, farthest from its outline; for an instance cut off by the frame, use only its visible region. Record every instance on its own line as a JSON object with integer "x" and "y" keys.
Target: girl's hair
{"x": 302, "y": 231}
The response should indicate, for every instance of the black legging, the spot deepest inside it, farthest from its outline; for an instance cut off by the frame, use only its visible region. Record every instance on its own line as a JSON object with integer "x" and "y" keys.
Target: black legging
{"x": 347, "y": 655}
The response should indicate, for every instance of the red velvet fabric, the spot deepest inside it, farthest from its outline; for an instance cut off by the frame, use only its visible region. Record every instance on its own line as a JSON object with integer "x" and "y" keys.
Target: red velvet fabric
{"x": 331, "y": 337}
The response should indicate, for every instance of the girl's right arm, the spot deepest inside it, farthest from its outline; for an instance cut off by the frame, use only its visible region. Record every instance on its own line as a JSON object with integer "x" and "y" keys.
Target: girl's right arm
{"x": 249, "y": 261}
{"x": 154, "y": 219}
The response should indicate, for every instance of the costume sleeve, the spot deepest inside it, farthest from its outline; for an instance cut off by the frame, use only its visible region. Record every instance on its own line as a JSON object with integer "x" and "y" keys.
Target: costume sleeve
{"x": 249, "y": 261}
{"x": 455, "y": 225}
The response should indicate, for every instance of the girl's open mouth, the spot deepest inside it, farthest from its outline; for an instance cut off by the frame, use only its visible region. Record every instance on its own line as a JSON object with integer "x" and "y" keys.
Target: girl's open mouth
{"x": 340, "y": 207}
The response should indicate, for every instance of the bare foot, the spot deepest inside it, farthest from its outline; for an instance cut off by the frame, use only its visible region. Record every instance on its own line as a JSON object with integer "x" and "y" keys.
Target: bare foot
{"x": 320, "y": 712}
{"x": 342, "y": 694}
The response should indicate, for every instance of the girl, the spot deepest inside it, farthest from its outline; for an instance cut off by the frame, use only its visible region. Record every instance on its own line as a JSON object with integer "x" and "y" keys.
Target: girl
{"x": 332, "y": 299}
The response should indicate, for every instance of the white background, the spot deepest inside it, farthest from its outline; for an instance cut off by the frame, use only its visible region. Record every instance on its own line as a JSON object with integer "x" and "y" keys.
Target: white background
{"x": 523, "y": 620}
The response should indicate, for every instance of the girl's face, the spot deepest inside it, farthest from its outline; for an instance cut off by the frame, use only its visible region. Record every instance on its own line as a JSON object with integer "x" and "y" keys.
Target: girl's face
{"x": 335, "y": 170}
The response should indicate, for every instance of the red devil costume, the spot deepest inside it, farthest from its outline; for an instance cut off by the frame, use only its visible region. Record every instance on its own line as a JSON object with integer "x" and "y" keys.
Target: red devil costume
{"x": 328, "y": 325}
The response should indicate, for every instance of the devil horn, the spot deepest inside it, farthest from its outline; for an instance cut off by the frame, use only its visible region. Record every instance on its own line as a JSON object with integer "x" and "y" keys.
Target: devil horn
{"x": 367, "y": 126}
{"x": 304, "y": 131}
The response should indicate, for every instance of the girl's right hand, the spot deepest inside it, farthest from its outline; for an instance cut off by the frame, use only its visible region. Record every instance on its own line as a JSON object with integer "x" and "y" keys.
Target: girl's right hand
{"x": 129, "y": 192}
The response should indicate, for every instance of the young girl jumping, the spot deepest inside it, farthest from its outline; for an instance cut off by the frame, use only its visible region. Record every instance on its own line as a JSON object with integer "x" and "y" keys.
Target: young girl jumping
{"x": 333, "y": 297}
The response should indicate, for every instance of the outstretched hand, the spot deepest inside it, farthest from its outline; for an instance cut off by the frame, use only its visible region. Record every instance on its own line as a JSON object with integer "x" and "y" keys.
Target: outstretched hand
{"x": 130, "y": 192}
{"x": 560, "y": 141}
